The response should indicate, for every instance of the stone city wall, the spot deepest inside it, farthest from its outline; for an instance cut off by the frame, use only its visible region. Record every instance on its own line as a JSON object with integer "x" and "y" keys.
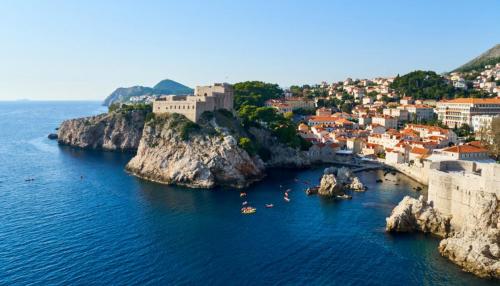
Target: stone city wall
{"x": 454, "y": 185}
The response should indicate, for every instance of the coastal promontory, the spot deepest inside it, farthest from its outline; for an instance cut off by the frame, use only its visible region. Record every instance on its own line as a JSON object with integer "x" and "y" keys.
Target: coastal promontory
{"x": 119, "y": 130}
{"x": 174, "y": 150}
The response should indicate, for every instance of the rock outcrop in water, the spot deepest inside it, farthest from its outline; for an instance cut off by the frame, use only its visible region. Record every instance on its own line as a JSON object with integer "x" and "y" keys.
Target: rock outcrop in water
{"x": 475, "y": 246}
{"x": 416, "y": 215}
{"x": 119, "y": 131}
{"x": 356, "y": 185}
{"x": 173, "y": 150}
{"x": 336, "y": 181}
{"x": 329, "y": 186}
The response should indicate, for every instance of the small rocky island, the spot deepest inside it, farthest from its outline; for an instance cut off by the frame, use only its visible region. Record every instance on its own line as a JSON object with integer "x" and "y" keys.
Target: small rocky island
{"x": 337, "y": 181}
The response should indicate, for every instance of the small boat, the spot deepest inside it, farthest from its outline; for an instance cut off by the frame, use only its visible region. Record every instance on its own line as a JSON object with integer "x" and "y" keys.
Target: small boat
{"x": 312, "y": 190}
{"x": 286, "y": 194}
{"x": 243, "y": 194}
{"x": 244, "y": 203}
{"x": 344, "y": 197}
{"x": 248, "y": 210}
{"x": 269, "y": 206}
{"x": 287, "y": 199}
{"x": 288, "y": 190}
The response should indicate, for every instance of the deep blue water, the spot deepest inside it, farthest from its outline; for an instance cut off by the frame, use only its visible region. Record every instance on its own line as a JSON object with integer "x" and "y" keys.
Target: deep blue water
{"x": 112, "y": 228}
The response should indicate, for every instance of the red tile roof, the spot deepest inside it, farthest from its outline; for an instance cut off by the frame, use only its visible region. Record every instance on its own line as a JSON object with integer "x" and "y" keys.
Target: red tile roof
{"x": 465, "y": 149}
{"x": 473, "y": 100}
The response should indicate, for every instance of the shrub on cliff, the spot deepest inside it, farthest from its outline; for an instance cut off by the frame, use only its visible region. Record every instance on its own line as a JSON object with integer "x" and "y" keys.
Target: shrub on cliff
{"x": 149, "y": 117}
{"x": 246, "y": 144}
{"x": 187, "y": 128}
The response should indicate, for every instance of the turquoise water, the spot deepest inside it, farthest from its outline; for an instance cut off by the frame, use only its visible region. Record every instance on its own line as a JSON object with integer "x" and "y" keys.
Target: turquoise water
{"x": 112, "y": 228}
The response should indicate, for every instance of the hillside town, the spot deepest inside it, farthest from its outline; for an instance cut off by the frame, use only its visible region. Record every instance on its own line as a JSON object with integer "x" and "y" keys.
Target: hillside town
{"x": 485, "y": 80}
{"x": 384, "y": 126}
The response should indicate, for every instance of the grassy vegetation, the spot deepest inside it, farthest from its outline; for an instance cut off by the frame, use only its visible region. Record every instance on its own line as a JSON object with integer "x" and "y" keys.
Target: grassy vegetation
{"x": 119, "y": 107}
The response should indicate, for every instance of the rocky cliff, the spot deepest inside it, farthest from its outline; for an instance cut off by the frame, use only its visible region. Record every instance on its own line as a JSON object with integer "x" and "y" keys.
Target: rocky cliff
{"x": 416, "y": 215}
{"x": 111, "y": 131}
{"x": 174, "y": 150}
{"x": 475, "y": 246}
{"x": 280, "y": 155}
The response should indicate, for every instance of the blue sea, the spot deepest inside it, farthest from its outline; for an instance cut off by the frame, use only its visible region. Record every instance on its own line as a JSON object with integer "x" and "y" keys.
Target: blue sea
{"x": 111, "y": 228}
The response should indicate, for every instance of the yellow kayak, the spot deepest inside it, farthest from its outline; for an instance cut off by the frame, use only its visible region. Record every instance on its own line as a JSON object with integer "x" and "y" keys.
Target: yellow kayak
{"x": 248, "y": 210}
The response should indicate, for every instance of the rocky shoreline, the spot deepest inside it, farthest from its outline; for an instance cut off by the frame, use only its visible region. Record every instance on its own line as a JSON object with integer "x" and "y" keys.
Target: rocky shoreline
{"x": 169, "y": 149}
{"x": 114, "y": 131}
{"x": 475, "y": 246}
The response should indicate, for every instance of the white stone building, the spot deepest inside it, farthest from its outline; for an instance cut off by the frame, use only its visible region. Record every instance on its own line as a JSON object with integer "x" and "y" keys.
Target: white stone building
{"x": 459, "y": 111}
{"x": 482, "y": 122}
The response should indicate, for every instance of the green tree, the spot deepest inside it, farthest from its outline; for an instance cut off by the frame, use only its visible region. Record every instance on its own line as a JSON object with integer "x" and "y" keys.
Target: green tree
{"x": 423, "y": 85}
{"x": 346, "y": 107}
{"x": 255, "y": 93}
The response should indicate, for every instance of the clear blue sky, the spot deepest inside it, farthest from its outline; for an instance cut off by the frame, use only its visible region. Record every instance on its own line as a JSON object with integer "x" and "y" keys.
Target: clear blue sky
{"x": 85, "y": 49}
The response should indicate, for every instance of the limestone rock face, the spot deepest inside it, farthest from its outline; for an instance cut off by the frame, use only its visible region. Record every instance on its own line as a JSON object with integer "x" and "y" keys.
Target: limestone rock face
{"x": 416, "y": 215}
{"x": 329, "y": 186}
{"x": 344, "y": 175}
{"x": 476, "y": 247}
{"x": 356, "y": 185}
{"x": 281, "y": 155}
{"x": 336, "y": 181}
{"x": 203, "y": 159}
{"x": 111, "y": 131}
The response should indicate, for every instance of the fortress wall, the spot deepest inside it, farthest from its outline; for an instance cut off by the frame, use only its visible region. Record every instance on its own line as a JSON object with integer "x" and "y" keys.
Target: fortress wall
{"x": 419, "y": 173}
{"x": 453, "y": 194}
{"x": 453, "y": 186}
{"x": 186, "y": 108}
{"x": 491, "y": 175}
{"x": 206, "y": 98}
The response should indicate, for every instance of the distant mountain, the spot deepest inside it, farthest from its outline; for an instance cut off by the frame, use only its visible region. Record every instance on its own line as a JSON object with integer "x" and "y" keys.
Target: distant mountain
{"x": 490, "y": 57}
{"x": 167, "y": 86}
{"x": 123, "y": 94}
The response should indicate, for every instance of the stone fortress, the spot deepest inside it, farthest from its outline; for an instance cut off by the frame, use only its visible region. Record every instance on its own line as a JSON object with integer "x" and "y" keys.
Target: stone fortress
{"x": 205, "y": 98}
{"x": 454, "y": 186}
